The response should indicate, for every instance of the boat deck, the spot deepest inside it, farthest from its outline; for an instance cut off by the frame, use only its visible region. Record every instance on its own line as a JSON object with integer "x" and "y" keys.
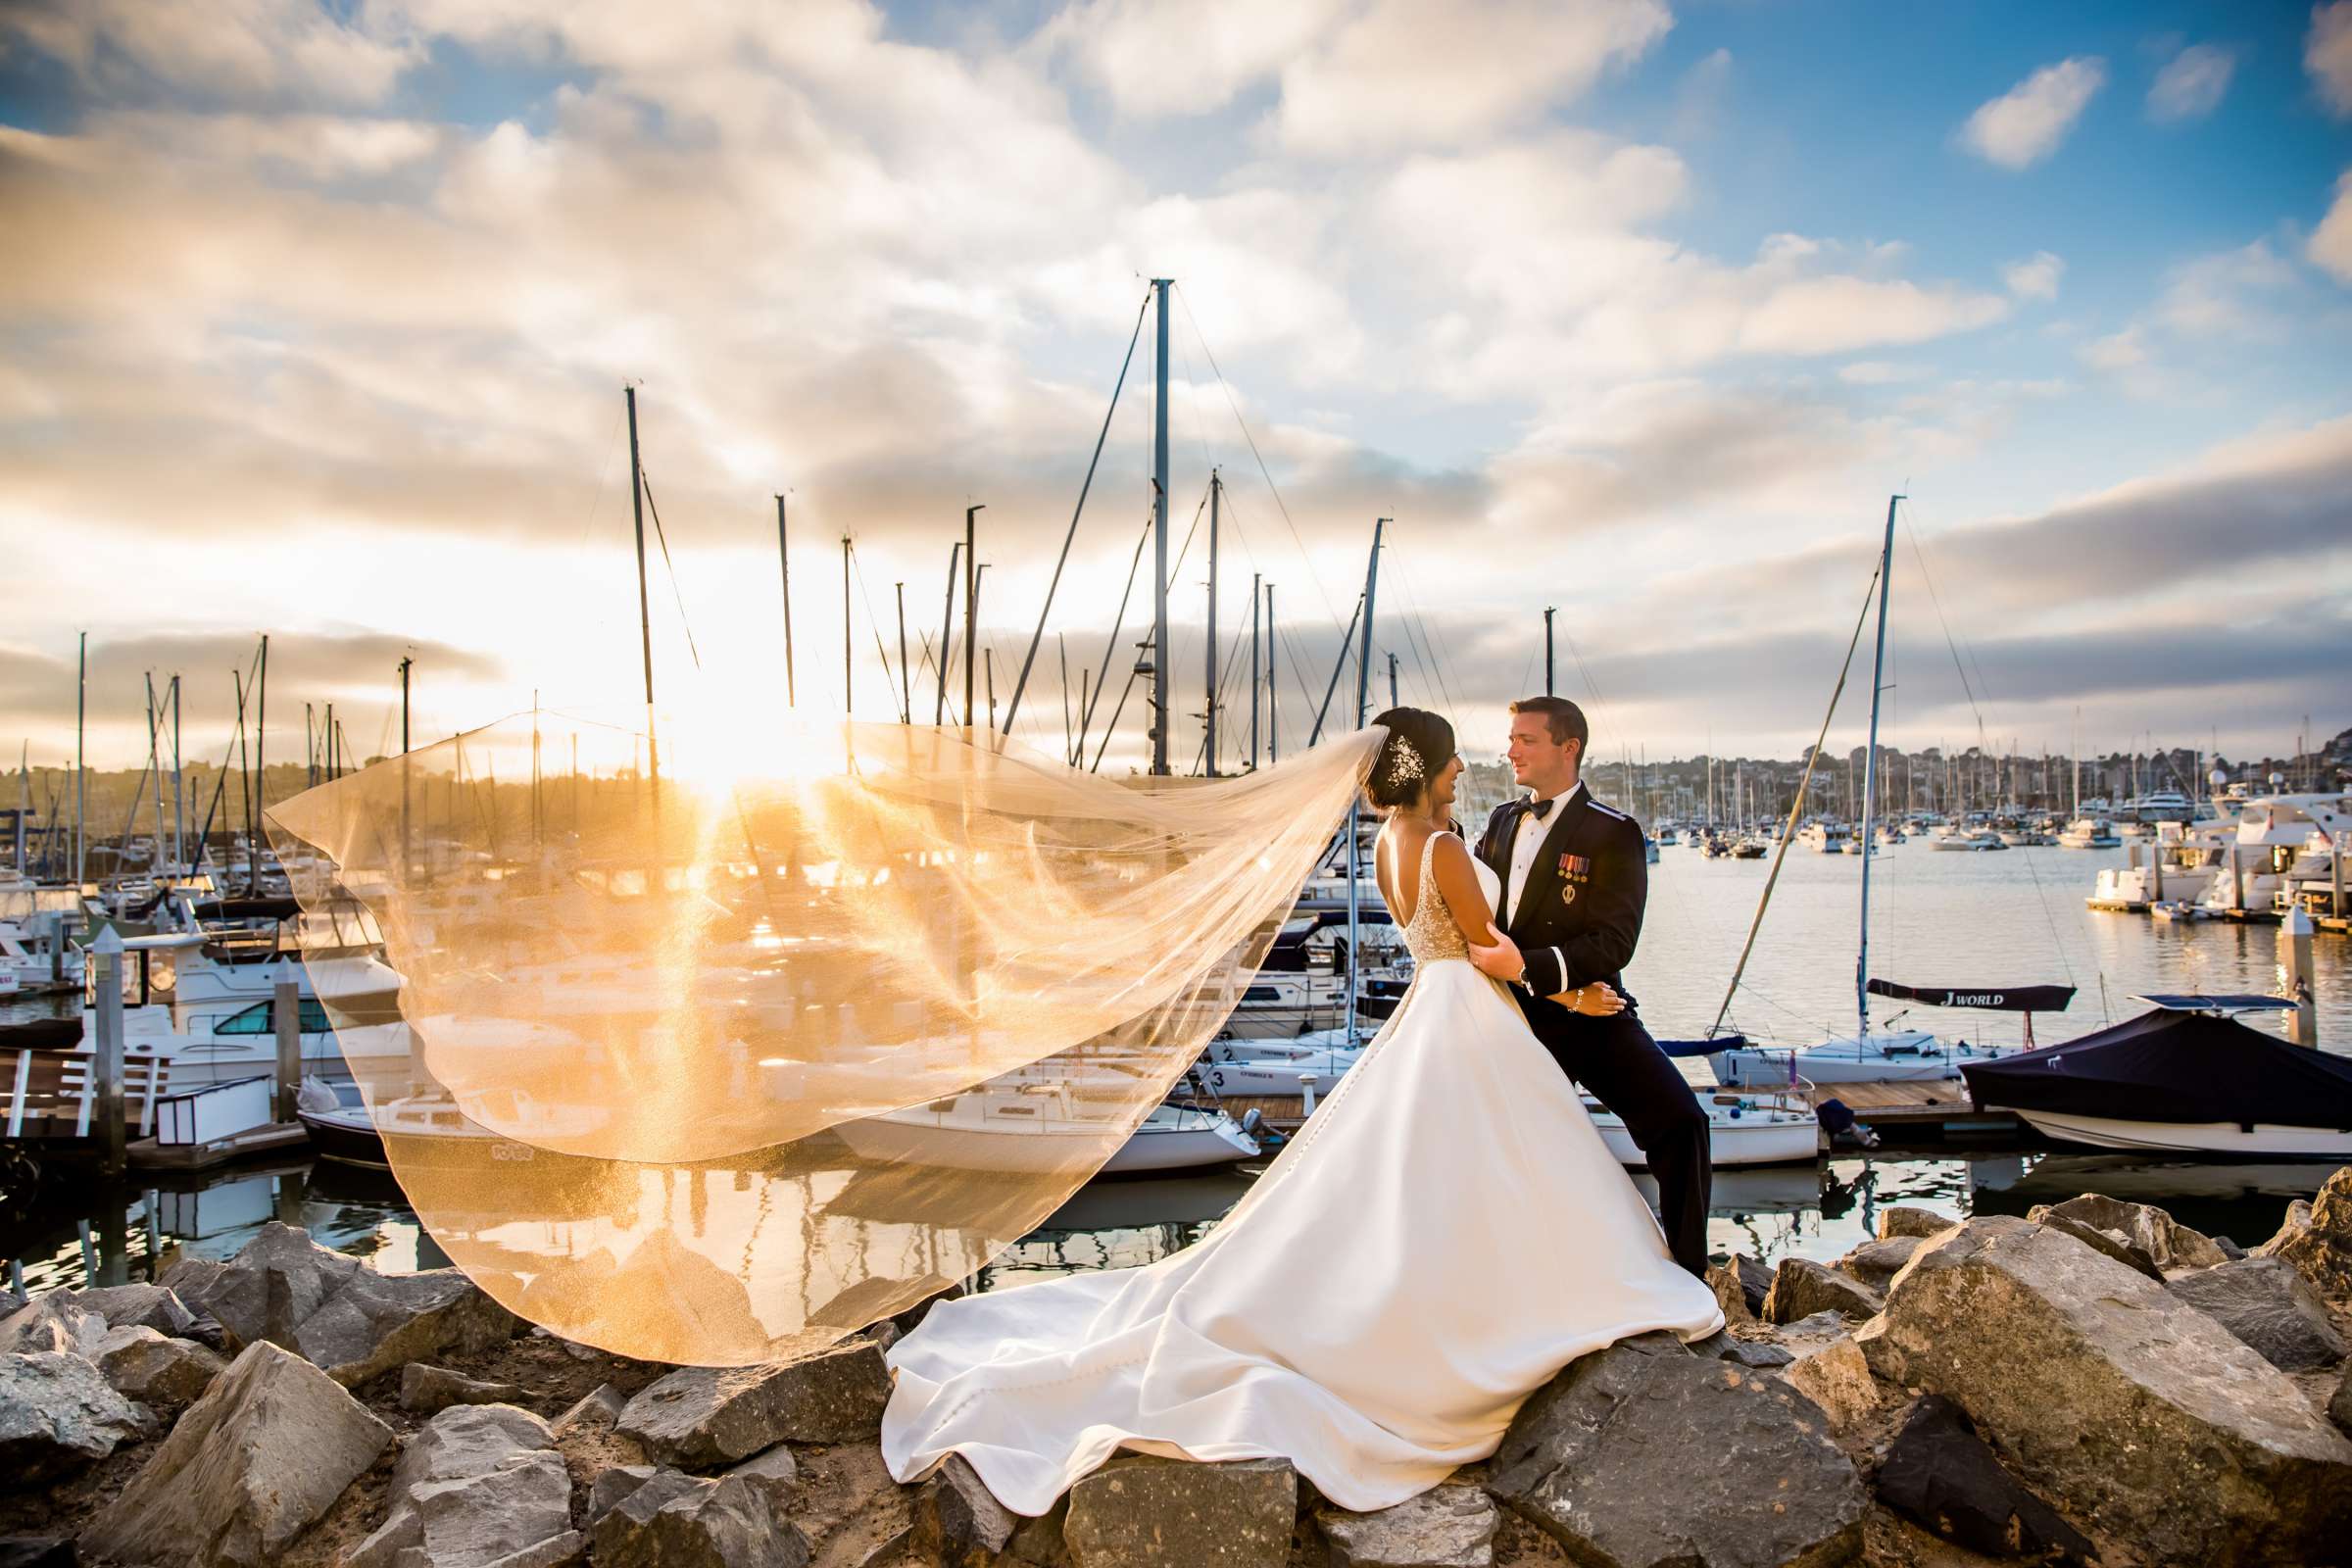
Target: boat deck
{"x": 1942, "y": 1108}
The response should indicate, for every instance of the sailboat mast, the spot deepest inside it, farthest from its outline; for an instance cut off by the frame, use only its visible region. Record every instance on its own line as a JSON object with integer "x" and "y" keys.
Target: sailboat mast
{"x": 1364, "y": 712}
{"x": 791, "y": 696}
{"x": 1870, "y": 769}
{"x": 1254, "y": 618}
{"x": 947, "y": 631}
{"x": 905, "y": 675}
{"x": 1549, "y": 612}
{"x": 645, "y": 610}
{"x": 848, "y": 704}
{"x": 971, "y": 608}
{"x": 81, "y": 775}
{"x": 1159, "y": 534}
{"x": 1273, "y": 690}
{"x": 1209, "y": 715}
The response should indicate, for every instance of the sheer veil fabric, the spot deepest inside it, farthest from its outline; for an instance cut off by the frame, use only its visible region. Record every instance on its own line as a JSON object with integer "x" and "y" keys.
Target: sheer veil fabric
{"x": 722, "y": 1062}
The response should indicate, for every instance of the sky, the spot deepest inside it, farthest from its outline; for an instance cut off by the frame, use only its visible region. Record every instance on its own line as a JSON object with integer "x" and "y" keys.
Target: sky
{"x": 317, "y": 319}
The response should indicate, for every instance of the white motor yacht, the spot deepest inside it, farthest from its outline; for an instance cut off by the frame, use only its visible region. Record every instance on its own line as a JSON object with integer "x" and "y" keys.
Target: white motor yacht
{"x": 1968, "y": 841}
{"x": 2089, "y": 833}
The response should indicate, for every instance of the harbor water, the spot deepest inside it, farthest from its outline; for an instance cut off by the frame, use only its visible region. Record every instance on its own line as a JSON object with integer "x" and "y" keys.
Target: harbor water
{"x": 2007, "y": 918}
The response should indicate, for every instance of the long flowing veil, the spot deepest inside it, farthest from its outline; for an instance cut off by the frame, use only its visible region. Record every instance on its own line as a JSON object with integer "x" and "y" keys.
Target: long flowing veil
{"x": 715, "y": 1064}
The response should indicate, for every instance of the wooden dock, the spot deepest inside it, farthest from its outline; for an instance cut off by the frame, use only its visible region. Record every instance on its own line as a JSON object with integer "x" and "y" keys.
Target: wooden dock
{"x": 148, "y": 1154}
{"x": 1940, "y": 1109}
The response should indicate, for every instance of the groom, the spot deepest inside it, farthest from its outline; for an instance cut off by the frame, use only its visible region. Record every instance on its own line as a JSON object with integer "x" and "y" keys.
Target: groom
{"x": 1575, "y": 878}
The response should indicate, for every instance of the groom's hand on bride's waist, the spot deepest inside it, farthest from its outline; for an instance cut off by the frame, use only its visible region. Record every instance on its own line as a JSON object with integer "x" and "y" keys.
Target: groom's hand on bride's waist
{"x": 1501, "y": 960}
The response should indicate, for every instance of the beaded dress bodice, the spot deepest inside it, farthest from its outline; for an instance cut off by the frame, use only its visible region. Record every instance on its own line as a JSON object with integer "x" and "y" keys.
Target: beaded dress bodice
{"x": 1432, "y": 934}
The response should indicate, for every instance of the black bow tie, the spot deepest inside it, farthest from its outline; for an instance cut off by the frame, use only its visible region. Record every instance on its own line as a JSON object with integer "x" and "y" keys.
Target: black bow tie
{"x": 1540, "y": 810}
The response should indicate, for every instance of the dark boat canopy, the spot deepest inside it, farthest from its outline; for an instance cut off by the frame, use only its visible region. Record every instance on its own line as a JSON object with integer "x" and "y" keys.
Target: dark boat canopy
{"x": 2227, "y": 1001}
{"x": 1995, "y": 999}
{"x": 2173, "y": 1067}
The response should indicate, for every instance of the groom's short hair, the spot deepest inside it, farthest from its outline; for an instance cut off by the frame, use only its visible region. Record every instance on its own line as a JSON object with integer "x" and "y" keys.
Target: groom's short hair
{"x": 1562, "y": 717}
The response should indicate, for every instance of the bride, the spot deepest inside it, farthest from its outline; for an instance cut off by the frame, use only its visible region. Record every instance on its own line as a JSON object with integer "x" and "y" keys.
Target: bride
{"x": 1444, "y": 1235}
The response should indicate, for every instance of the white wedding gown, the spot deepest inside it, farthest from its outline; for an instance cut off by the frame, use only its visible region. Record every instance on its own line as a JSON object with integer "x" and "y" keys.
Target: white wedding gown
{"x": 1445, "y": 1233}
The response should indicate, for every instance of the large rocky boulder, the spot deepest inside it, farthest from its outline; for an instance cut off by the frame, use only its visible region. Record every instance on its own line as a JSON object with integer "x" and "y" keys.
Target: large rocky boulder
{"x": 1143, "y": 1511}
{"x": 1448, "y": 1526}
{"x": 2266, "y": 1302}
{"x": 476, "y": 1485}
{"x": 1755, "y": 1279}
{"x": 2138, "y": 1413}
{"x": 57, "y": 1415}
{"x": 154, "y": 1369}
{"x": 1801, "y": 1288}
{"x": 700, "y": 1415}
{"x": 2168, "y": 1244}
{"x": 1642, "y": 1455}
{"x": 1876, "y": 1264}
{"x": 148, "y": 1306}
{"x": 1901, "y": 1219}
{"x": 1836, "y": 1377}
{"x": 335, "y": 1312}
{"x": 252, "y": 1465}
{"x": 51, "y": 1322}
{"x": 2113, "y": 1243}
{"x": 673, "y": 1520}
{"x": 2317, "y": 1239}
{"x": 958, "y": 1523}
{"x": 1940, "y": 1474}
{"x": 1731, "y": 1297}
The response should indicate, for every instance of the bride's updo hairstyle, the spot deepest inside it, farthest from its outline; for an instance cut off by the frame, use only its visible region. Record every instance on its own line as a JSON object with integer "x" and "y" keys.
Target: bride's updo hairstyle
{"x": 1419, "y": 744}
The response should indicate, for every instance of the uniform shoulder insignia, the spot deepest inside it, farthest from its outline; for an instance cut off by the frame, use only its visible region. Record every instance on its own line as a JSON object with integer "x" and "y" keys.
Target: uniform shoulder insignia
{"x": 1608, "y": 810}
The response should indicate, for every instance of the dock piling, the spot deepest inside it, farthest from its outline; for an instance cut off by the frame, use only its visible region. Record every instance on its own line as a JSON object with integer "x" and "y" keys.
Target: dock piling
{"x": 2295, "y": 977}
{"x": 286, "y": 1016}
{"x": 106, "y": 953}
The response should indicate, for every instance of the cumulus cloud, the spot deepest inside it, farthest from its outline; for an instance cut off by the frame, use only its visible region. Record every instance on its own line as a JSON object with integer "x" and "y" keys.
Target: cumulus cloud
{"x": 2192, "y": 83}
{"x": 2327, "y": 55}
{"x": 2035, "y": 277}
{"x": 2124, "y": 350}
{"x": 2025, "y": 124}
{"x": 2229, "y": 294}
{"x": 2331, "y": 244}
{"x": 290, "y": 50}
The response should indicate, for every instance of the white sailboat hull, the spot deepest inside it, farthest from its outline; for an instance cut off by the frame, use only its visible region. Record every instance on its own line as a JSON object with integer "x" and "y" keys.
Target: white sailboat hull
{"x": 2207, "y": 1138}
{"x": 1749, "y": 1138}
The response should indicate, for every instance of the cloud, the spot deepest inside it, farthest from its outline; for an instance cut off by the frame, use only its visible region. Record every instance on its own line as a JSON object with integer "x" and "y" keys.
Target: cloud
{"x": 2330, "y": 245}
{"x": 2034, "y": 279}
{"x": 289, "y": 50}
{"x": 1403, "y": 74}
{"x": 2191, "y": 85}
{"x": 1155, "y": 59}
{"x": 2025, "y": 123}
{"x": 2126, "y": 349}
{"x": 2327, "y": 55}
{"x": 2228, "y": 294}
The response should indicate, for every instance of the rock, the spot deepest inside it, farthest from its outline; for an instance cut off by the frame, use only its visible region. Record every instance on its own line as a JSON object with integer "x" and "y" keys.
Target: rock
{"x": 1801, "y": 1288}
{"x": 1142, "y": 1511}
{"x": 427, "y": 1388}
{"x": 1038, "y": 1542}
{"x": 1837, "y": 1378}
{"x": 2317, "y": 1238}
{"x": 335, "y": 1312}
{"x": 2267, "y": 1303}
{"x": 2340, "y": 1408}
{"x": 1731, "y": 1297}
{"x": 681, "y": 1521}
{"x": 705, "y": 1415}
{"x": 776, "y": 1470}
{"x": 1902, "y": 1220}
{"x": 141, "y": 1364}
{"x": 567, "y": 1550}
{"x": 476, "y": 1485}
{"x": 2229, "y": 1249}
{"x": 1755, "y": 1281}
{"x": 2169, "y": 1244}
{"x": 1876, "y": 1264}
{"x": 599, "y": 1411}
{"x": 1722, "y": 1347}
{"x": 36, "y": 1552}
{"x": 2134, "y": 1411}
{"x": 1940, "y": 1474}
{"x": 958, "y": 1522}
{"x": 1600, "y": 1459}
{"x": 1809, "y": 1334}
{"x": 1448, "y": 1526}
{"x": 51, "y": 1322}
{"x": 2114, "y": 1244}
{"x": 612, "y": 1485}
{"x": 57, "y": 1415}
{"x": 151, "y": 1307}
{"x": 251, "y": 1465}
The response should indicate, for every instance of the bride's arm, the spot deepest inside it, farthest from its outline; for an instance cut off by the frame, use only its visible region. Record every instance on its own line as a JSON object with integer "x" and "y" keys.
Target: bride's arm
{"x": 1466, "y": 902}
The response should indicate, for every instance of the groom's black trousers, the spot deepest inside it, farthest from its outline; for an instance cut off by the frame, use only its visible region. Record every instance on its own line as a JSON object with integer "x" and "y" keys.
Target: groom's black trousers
{"x": 1616, "y": 1061}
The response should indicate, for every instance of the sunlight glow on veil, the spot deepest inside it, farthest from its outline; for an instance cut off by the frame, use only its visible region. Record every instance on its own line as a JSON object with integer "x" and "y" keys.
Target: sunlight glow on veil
{"x": 723, "y": 1067}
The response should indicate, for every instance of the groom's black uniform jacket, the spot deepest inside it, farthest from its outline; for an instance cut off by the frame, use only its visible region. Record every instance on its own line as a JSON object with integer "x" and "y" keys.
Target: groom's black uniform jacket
{"x": 1576, "y": 921}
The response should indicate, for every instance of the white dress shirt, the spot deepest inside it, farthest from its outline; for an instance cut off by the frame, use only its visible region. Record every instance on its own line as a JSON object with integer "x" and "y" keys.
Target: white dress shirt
{"x": 1530, "y": 839}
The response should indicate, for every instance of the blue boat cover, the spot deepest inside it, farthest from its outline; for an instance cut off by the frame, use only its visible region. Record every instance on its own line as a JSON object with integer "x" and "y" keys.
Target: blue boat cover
{"x": 1703, "y": 1047}
{"x": 2173, "y": 1067}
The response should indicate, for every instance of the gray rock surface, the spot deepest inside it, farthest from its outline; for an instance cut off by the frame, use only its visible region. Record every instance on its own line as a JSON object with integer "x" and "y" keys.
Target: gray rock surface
{"x": 1448, "y": 1526}
{"x": 2339, "y": 1408}
{"x": 612, "y": 1485}
{"x": 1939, "y": 1474}
{"x": 2133, "y": 1411}
{"x": 1755, "y": 1279}
{"x": 36, "y": 1552}
{"x": 425, "y": 1388}
{"x": 335, "y": 1312}
{"x": 699, "y": 1415}
{"x": 152, "y": 1307}
{"x": 1731, "y": 1297}
{"x": 596, "y": 1411}
{"x": 2169, "y": 1244}
{"x": 476, "y": 1485}
{"x": 1724, "y": 1347}
{"x": 776, "y": 1470}
{"x": 2317, "y": 1238}
{"x": 57, "y": 1415}
{"x": 51, "y": 1322}
{"x": 1601, "y": 1458}
{"x": 1142, "y": 1511}
{"x": 681, "y": 1521}
{"x": 1876, "y": 1264}
{"x": 250, "y": 1467}
{"x": 1801, "y": 1288}
{"x": 2266, "y": 1302}
{"x": 1837, "y": 1378}
{"x": 958, "y": 1522}
{"x": 2114, "y": 1244}
{"x": 141, "y": 1364}
{"x": 1904, "y": 1220}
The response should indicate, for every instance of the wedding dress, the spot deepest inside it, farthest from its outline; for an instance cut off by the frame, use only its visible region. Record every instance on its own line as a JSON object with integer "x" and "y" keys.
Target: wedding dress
{"x": 1444, "y": 1233}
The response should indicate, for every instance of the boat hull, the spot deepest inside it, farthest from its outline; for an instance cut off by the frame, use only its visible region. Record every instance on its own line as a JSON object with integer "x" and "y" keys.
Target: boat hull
{"x": 2262, "y": 1139}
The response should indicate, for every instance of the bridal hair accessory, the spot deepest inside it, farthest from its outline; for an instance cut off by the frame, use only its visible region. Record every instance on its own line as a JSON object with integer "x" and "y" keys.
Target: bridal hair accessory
{"x": 716, "y": 1062}
{"x": 1404, "y": 762}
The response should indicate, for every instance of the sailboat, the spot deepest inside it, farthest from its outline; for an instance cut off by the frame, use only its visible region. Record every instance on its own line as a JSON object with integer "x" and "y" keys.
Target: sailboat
{"x": 1884, "y": 1054}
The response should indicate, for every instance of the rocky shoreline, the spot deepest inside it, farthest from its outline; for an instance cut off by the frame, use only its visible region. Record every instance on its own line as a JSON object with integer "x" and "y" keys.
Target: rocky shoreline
{"x": 2093, "y": 1382}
